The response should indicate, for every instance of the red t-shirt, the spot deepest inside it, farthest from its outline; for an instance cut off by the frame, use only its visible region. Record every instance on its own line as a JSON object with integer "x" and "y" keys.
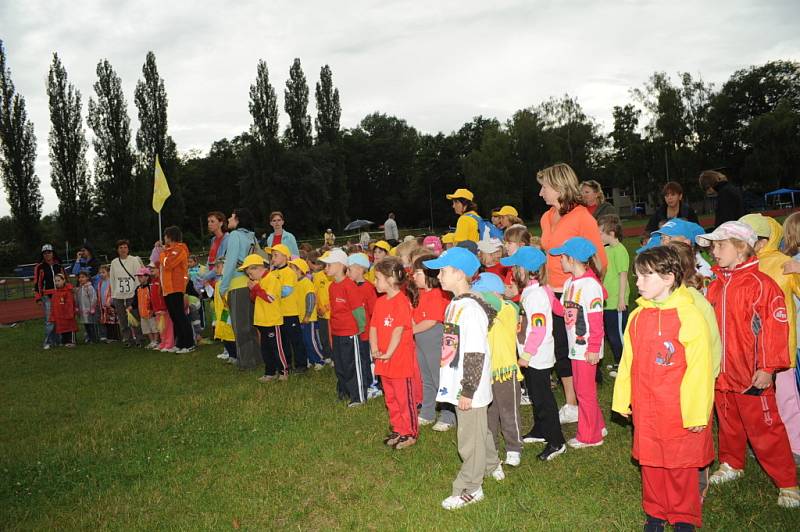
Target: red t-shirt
{"x": 276, "y": 239}
{"x": 508, "y": 280}
{"x": 369, "y": 295}
{"x": 388, "y": 315}
{"x": 431, "y": 306}
{"x": 345, "y": 297}
{"x": 498, "y": 269}
{"x": 591, "y": 208}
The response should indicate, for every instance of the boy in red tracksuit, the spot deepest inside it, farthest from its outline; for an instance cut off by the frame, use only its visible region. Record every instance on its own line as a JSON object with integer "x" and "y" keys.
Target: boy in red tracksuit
{"x": 62, "y": 313}
{"x": 752, "y": 318}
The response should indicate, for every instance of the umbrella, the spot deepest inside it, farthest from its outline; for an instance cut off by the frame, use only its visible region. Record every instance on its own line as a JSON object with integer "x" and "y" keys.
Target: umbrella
{"x": 357, "y": 224}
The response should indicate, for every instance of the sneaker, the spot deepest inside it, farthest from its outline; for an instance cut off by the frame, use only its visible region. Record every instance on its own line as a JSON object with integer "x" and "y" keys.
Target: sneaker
{"x": 231, "y": 360}
{"x": 530, "y": 438}
{"x": 525, "y": 400}
{"x": 441, "y": 426}
{"x": 576, "y": 444}
{"x": 550, "y": 452}
{"x": 46, "y": 347}
{"x": 724, "y": 474}
{"x": 169, "y": 349}
{"x": 267, "y": 378}
{"x": 126, "y": 345}
{"x": 319, "y": 366}
{"x": 789, "y": 497}
{"x": 404, "y": 442}
{"x": 184, "y": 350}
{"x": 604, "y": 432}
{"x": 353, "y": 404}
{"x": 421, "y": 421}
{"x": 283, "y": 377}
{"x": 391, "y": 438}
{"x": 373, "y": 392}
{"x": 612, "y": 373}
{"x": 568, "y": 414}
{"x": 69, "y": 345}
{"x": 512, "y": 458}
{"x": 498, "y": 474}
{"x": 223, "y": 356}
{"x": 454, "y": 502}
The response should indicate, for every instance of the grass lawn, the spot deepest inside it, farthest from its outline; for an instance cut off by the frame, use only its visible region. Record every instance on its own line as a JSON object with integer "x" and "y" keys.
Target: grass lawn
{"x": 102, "y": 437}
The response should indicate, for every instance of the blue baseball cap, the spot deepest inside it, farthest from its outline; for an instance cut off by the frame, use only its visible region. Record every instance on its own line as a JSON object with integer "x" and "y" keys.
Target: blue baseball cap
{"x": 460, "y": 258}
{"x": 528, "y": 257}
{"x": 488, "y": 282}
{"x": 681, "y": 227}
{"x": 655, "y": 241}
{"x": 358, "y": 259}
{"x": 576, "y": 247}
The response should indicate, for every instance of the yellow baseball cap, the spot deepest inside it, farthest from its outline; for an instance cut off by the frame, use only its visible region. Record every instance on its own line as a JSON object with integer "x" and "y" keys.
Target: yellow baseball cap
{"x": 393, "y": 252}
{"x": 300, "y": 264}
{"x": 462, "y": 193}
{"x": 280, "y": 248}
{"x": 252, "y": 260}
{"x": 448, "y": 238}
{"x": 382, "y": 244}
{"x": 759, "y": 223}
{"x": 506, "y": 210}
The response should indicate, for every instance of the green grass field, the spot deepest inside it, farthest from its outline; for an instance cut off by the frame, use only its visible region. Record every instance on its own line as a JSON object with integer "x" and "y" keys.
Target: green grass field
{"x": 100, "y": 437}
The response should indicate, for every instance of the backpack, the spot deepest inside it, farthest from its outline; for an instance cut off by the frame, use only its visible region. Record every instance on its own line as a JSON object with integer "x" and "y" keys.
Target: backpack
{"x": 486, "y": 229}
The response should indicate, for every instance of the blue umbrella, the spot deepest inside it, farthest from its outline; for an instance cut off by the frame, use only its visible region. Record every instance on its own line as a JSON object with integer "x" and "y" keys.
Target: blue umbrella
{"x": 357, "y": 224}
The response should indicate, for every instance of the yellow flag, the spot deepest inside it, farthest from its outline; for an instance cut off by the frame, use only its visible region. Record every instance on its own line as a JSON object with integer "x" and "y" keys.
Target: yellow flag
{"x": 160, "y": 188}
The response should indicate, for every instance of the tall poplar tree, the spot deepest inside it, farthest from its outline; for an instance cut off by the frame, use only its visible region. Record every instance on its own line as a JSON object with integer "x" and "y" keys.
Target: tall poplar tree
{"x": 298, "y": 133}
{"x": 328, "y": 109}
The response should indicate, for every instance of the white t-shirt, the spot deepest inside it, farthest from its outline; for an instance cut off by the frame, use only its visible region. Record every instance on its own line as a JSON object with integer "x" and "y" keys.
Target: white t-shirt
{"x": 581, "y": 297}
{"x": 390, "y": 230}
{"x": 466, "y": 330}
{"x": 538, "y": 313}
{"x": 123, "y": 286}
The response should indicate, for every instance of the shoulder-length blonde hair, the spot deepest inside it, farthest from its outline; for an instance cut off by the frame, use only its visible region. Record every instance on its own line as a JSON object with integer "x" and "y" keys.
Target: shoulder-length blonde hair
{"x": 597, "y": 188}
{"x": 561, "y": 177}
{"x": 791, "y": 234}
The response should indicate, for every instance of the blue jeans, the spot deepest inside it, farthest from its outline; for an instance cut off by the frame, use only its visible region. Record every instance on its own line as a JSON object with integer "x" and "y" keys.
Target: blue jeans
{"x": 50, "y": 336}
{"x": 312, "y": 342}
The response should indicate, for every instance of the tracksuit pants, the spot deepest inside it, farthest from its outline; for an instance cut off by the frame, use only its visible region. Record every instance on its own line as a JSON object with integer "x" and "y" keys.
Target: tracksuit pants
{"x": 476, "y": 448}
{"x": 325, "y": 338}
{"x": 672, "y": 494}
{"x": 614, "y": 322}
{"x": 353, "y": 374}
{"x": 742, "y": 418}
{"x": 545, "y": 410}
{"x": 399, "y": 396}
{"x": 503, "y": 414}
{"x": 312, "y": 342}
{"x": 590, "y": 417}
{"x": 290, "y": 342}
{"x": 274, "y": 362}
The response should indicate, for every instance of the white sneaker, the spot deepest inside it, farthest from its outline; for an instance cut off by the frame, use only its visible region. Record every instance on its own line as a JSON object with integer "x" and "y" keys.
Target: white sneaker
{"x": 604, "y": 432}
{"x": 454, "y": 502}
{"x": 373, "y": 392}
{"x": 421, "y": 421}
{"x": 184, "y": 350}
{"x": 612, "y": 373}
{"x": 223, "y": 356}
{"x": 319, "y": 367}
{"x": 512, "y": 458}
{"x": 789, "y": 497}
{"x": 575, "y": 444}
{"x": 46, "y": 347}
{"x": 525, "y": 400}
{"x": 568, "y": 414}
{"x": 440, "y": 426}
{"x": 725, "y": 473}
{"x": 169, "y": 350}
{"x": 498, "y": 474}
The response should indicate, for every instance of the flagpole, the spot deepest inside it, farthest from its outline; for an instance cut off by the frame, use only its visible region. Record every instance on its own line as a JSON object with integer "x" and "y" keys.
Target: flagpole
{"x": 159, "y": 225}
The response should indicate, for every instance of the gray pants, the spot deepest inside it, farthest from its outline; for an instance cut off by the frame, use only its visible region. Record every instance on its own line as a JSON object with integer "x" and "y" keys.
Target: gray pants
{"x": 429, "y": 356}
{"x": 503, "y": 414}
{"x": 476, "y": 448}
{"x": 127, "y": 331}
{"x": 248, "y": 351}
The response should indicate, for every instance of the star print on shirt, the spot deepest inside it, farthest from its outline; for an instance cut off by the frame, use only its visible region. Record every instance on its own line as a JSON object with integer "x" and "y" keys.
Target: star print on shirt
{"x": 387, "y": 321}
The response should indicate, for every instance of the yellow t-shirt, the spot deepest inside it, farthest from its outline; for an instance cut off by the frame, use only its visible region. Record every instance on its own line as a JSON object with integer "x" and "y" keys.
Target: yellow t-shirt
{"x": 503, "y": 343}
{"x": 305, "y": 287}
{"x": 370, "y": 274}
{"x": 290, "y": 304}
{"x": 466, "y": 228}
{"x": 222, "y": 328}
{"x": 268, "y": 313}
{"x": 321, "y": 283}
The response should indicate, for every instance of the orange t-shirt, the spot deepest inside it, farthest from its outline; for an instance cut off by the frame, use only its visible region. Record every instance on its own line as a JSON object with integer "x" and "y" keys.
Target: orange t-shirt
{"x": 388, "y": 315}
{"x": 577, "y": 222}
{"x": 431, "y": 305}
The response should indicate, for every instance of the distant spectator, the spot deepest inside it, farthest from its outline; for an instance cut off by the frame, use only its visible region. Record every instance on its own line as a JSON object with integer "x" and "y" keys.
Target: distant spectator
{"x": 280, "y": 235}
{"x": 86, "y": 261}
{"x": 329, "y": 238}
{"x": 730, "y": 205}
{"x": 673, "y": 207}
{"x": 390, "y": 231}
{"x": 43, "y": 285}
{"x": 595, "y": 200}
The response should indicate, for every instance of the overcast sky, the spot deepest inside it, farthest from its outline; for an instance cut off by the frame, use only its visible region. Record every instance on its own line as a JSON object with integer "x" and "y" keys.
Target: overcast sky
{"x": 434, "y": 63}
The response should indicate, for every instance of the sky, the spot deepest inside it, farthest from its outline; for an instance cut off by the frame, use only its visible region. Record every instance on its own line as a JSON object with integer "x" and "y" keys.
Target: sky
{"x": 435, "y": 64}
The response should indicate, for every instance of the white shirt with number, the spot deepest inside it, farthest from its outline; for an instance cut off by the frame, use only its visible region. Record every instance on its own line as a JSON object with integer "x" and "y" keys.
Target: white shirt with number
{"x": 123, "y": 285}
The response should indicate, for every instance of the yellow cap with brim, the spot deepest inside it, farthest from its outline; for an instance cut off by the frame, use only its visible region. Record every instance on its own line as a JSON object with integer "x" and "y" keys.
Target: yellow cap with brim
{"x": 300, "y": 264}
{"x": 252, "y": 260}
{"x": 393, "y": 252}
{"x": 461, "y": 193}
{"x": 506, "y": 210}
{"x": 279, "y": 248}
{"x": 382, "y": 244}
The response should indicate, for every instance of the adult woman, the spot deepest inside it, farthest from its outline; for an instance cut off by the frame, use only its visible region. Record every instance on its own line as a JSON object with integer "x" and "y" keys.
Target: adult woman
{"x": 174, "y": 263}
{"x": 280, "y": 235}
{"x": 43, "y": 285}
{"x": 218, "y": 227}
{"x": 466, "y": 209}
{"x": 505, "y": 217}
{"x": 566, "y": 218}
{"x": 673, "y": 207}
{"x": 86, "y": 261}
{"x": 234, "y": 291}
{"x": 595, "y": 200}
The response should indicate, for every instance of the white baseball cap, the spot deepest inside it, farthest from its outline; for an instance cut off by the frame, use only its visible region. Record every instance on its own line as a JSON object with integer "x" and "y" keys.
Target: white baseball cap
{"x": 490, "y": 245}
{"x": 335, "y": 255}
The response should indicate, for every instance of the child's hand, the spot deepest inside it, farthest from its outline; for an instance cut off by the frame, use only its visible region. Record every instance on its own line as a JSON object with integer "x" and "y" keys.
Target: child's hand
{"x": 464, "y": 403}
{"x": 251, "y": 283}
{"x": 622, "y": 305}
{"x": 521, "y": 362}
{"x": 593, "y": 358}
{"x": 762, "y": 379}
{"x": 696, "y": 429}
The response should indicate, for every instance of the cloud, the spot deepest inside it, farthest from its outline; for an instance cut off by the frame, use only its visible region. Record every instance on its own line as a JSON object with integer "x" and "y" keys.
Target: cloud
{"x": 435, "y": 64}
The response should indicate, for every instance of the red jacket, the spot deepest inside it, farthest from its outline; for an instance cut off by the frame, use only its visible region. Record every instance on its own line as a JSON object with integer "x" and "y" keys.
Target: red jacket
{"x": 62, "y": 310}
{"x": 753, "y": 325}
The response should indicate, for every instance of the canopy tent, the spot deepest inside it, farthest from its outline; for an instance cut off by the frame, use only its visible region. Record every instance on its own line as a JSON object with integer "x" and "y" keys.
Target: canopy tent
{"x": 778, "y": 194}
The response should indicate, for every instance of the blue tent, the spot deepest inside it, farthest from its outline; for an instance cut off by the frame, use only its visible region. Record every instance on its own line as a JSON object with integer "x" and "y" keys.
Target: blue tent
{"x": 782, "y": 192}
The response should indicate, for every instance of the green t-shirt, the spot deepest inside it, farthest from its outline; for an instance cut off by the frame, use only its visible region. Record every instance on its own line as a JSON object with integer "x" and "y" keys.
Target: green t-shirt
{"x": 618, "y": 261}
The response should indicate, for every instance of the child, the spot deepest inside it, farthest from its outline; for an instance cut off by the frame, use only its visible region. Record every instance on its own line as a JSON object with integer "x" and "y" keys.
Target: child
{"x": 789, "y": 404}
{"x": 536, "y": 349}
{"x": 392, "y": 347}
{"x": 680, "y": 230}
{"x": 665, "y": 380}
{"x": 465, "y": 375}
{"x": 265, "y": 292}
{"x": 109, "y": 330}
{"x": 432, "y": 244}
{"x": 163, "y": 321}
{"x": 144, "y": 303}
{"x": 321, "y": 283}
{"x": 582, "y": 307}
{"x": 223, "y": 330}
{"x": 490, "y": 252}
{"x": 380, "y": 250}
{"x": 62, "y": 313}
{"x": 615, "y": 282}
{"x": 348, "y": 320}
{"x": 307, "y": 307}
{"x": 357, "y": 266}
{"x": 752, "y": 319}
{"x": 448, "y": 241}
{"x": 290, "y": 340}
{"x": 503, "y": 413}
{"x": 430, "y": 302}
{"x": 514, "y": 238}
{"x": 86, "y": 301}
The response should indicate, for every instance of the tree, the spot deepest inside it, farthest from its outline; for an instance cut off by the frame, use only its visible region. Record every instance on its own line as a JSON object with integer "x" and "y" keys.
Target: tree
{"x": 263, "y": 107}
{"x": 295, "y": 104}
{"x": 69, "y": 175}
{"x": 328, "y": 109}
{"x": 152, "y": 139}
{"x": 18, "y": 144}
{"x": 108, "y": 118}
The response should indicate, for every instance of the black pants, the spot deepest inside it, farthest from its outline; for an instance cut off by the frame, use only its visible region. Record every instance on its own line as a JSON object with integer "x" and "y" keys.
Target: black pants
{"x": 273, "y": 362}
{"x": 291, "y": 343}
{"x": 67, "y": 338}
{"x": 545, "y": 411}
{"x": 91, "y": 332}
{"x": 180, "y": 321}
{"x": 230, "y": 347}
{"x": 561, "y": 346}
{"x": 352, "y": 366}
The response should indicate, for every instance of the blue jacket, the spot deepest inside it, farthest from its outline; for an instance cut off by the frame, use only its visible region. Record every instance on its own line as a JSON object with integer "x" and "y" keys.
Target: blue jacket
{"x": 238, "y": 246}
{"x": 287, "y": 240}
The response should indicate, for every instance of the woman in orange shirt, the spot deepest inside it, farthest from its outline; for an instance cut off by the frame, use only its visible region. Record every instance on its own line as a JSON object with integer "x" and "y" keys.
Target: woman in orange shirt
{"x": 566, "y": 218}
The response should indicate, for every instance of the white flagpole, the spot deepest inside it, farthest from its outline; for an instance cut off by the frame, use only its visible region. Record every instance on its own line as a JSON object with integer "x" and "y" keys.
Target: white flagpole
{"x": 159, "y": 225}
